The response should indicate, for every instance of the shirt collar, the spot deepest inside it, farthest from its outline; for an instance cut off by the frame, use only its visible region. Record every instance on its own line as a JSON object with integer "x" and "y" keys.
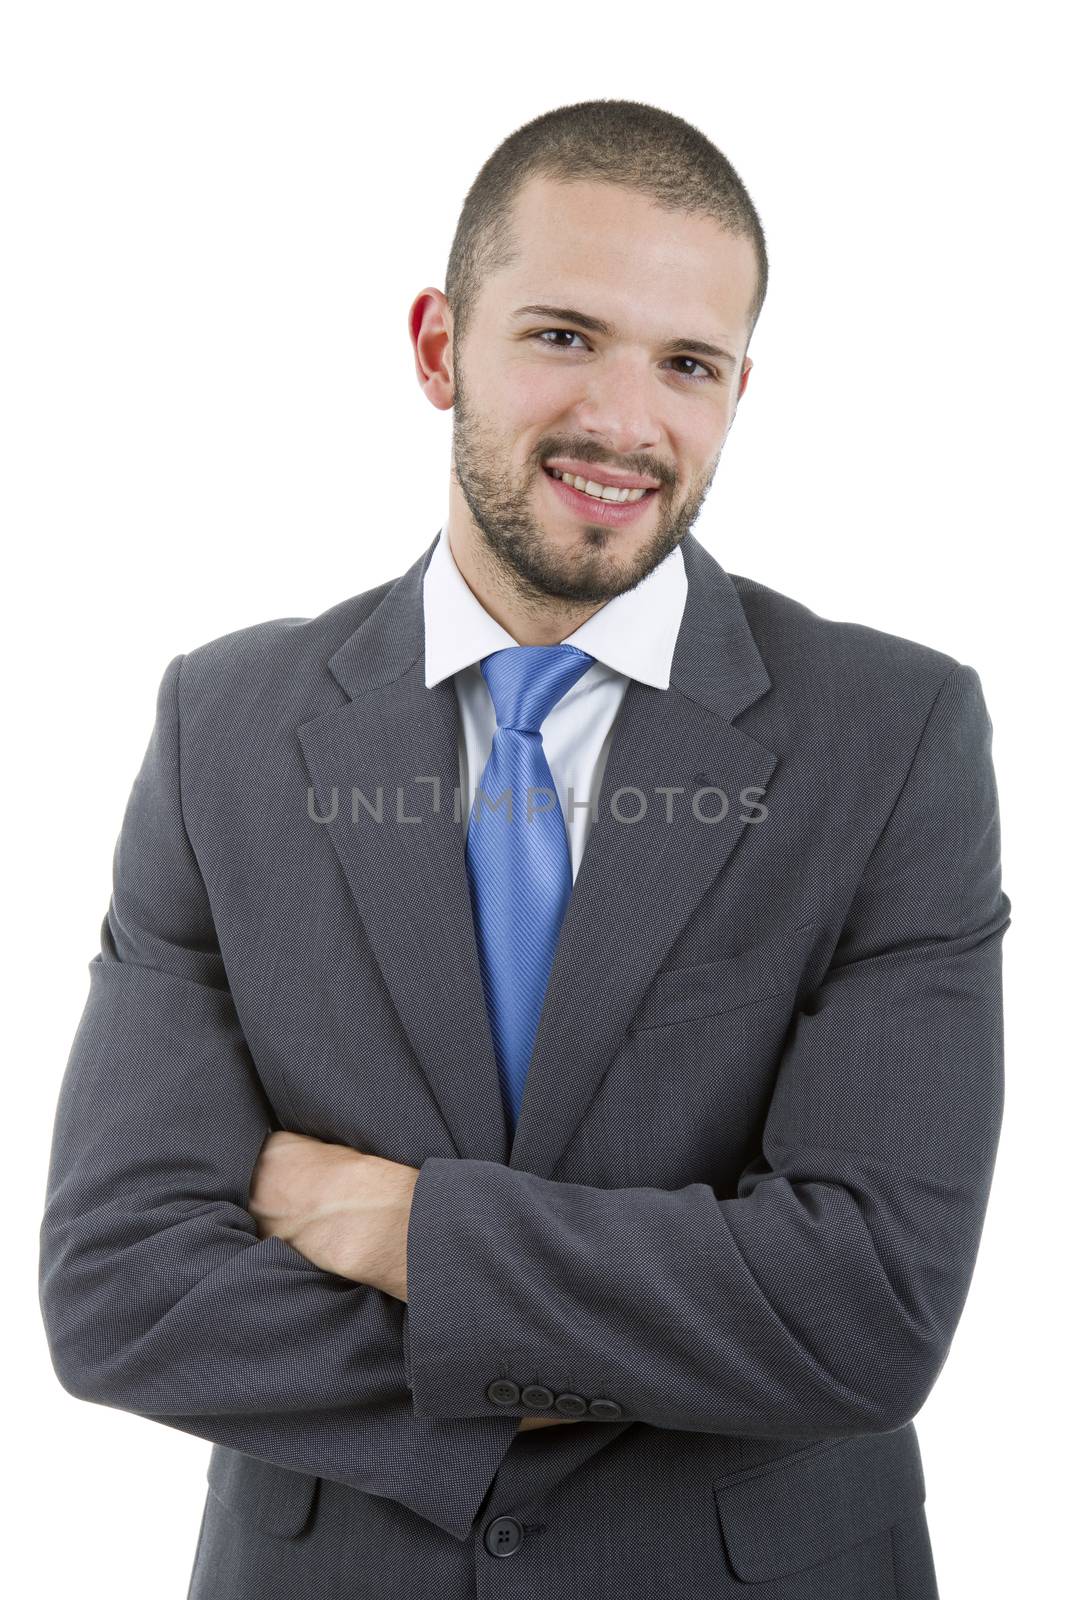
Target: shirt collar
{"x": 633, "y": 634}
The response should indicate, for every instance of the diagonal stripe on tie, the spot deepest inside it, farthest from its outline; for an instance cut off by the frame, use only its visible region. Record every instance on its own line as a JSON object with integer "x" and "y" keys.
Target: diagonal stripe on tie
{"x": 518, "y": 855}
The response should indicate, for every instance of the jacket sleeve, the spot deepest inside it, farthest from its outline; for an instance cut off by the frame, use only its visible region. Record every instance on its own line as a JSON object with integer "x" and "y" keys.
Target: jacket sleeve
{"x": 822, "y": 1298}
{"x": 158, "y": 1296}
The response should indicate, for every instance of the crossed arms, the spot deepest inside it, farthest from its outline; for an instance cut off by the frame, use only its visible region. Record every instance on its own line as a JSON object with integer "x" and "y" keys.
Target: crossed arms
{"x": 821, "y": 1300}
{"x": 346, "y": 1212}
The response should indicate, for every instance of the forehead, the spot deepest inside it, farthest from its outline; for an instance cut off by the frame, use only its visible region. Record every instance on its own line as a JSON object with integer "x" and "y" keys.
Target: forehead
{"x": 618, "y": 255}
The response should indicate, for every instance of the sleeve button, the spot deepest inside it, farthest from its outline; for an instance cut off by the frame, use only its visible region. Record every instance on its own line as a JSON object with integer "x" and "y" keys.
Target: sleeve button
{"x": 537, "y": 1397}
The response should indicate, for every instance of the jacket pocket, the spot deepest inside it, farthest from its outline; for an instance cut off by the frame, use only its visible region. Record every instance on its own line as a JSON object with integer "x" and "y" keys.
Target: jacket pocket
{"x": 273, "y": 1499}
{"x": 810, "y": 1506}
{"x": 710, "y": 988}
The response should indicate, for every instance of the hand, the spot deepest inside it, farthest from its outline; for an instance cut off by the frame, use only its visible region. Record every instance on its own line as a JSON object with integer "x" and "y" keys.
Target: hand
{"x": 346, "y": 1211}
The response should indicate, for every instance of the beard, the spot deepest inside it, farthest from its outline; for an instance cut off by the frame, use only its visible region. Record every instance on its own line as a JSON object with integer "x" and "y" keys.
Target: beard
{"x": 592, "y": 573}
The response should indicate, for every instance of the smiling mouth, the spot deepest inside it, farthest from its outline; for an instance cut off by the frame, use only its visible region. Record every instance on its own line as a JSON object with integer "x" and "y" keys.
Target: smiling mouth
{"x": 597, "y": 511}
{"x": 608, "y": 493}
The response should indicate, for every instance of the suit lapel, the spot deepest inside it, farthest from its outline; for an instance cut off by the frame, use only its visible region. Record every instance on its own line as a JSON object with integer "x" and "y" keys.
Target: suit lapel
{"x": 638, "y": 883}
{"x": 408, "y": 879}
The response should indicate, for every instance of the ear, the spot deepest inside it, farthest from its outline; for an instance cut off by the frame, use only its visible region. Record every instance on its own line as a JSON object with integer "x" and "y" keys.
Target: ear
{"x": 430, "y": 328}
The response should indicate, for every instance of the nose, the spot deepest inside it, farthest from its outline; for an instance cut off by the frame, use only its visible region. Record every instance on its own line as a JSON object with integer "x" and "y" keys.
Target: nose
{"x": 617, "y": 409}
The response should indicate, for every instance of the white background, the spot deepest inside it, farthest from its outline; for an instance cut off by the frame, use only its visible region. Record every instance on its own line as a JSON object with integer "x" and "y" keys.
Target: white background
{"x": 216, "y": 219}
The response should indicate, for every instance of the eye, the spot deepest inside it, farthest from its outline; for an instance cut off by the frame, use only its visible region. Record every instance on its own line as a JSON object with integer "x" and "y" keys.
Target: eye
{"x": 711, "y": 372}
{"x": 569, "y": 333}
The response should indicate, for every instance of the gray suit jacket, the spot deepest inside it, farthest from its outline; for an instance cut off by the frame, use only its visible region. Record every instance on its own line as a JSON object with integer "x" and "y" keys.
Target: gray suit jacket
{"x": 736, "y": 1229}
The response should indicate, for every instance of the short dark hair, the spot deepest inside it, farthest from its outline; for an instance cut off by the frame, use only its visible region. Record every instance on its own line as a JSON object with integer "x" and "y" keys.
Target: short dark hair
{"x": 625, "y": 142}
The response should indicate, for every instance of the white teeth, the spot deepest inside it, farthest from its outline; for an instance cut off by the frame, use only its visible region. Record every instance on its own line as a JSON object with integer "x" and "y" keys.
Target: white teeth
{"x": 598, "y": 491}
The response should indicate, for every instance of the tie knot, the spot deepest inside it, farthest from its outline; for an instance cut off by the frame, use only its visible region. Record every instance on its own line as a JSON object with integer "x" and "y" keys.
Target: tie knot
{"x": 527, "y": 680}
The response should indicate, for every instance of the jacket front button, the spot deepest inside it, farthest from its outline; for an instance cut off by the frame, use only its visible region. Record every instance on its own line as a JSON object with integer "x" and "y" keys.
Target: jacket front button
{"x": 537, "y": 1396}
{"x": 502, "y": 1392}
{"x": 571, "y": 1405}
{"x": 503, "y": 1536}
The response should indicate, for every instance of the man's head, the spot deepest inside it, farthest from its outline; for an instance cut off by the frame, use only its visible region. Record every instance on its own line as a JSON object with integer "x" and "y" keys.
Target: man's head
{"x": 627, "y": 218}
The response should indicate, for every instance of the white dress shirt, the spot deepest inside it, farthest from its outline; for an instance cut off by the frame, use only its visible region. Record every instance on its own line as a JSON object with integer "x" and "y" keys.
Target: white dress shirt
{"x": 632, "y": 636}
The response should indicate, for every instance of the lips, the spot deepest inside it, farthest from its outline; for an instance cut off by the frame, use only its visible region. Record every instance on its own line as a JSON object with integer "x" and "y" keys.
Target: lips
{"x": 609, "y": 513}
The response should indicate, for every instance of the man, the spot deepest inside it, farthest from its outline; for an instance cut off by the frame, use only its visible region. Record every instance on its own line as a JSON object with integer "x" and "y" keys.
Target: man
{"x": 540, "y": 1084}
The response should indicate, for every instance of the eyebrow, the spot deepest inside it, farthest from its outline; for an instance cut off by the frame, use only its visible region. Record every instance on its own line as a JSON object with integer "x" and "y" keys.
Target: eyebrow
{"x": 595, "y": 325}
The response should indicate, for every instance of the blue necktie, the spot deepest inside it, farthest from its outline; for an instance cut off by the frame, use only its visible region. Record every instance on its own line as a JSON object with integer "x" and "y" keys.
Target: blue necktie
{"x": 519, "y": 870}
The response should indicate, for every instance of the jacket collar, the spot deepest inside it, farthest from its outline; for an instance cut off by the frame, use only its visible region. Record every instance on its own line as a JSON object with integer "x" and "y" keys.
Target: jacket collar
{"x": 715, "y": 662}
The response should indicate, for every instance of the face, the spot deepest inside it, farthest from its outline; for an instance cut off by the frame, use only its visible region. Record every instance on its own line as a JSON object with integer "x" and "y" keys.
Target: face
{"x": 635, "y": 395}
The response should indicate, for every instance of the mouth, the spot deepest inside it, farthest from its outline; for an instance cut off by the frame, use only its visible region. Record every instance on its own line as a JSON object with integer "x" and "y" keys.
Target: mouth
{"x": 604, "y": 509}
